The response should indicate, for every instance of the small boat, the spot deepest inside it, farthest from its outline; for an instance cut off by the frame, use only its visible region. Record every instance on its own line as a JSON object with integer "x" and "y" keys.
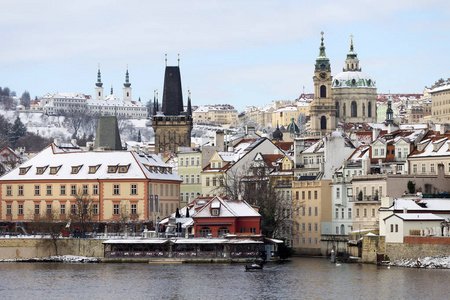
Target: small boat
{"x": 256, "y": 265}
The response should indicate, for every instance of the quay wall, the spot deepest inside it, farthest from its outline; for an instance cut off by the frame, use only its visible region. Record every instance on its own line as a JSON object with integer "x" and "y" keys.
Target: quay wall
{"x": 24, "y": 248}
{"x": 418, "y": 247}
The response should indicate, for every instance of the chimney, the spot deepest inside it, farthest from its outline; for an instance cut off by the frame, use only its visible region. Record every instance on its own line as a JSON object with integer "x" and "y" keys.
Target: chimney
{"x": 219, "y": 143}
{"x": 57, "y": 142}
{"x": 73, "y": 142}
{"x": 444, "y": 128}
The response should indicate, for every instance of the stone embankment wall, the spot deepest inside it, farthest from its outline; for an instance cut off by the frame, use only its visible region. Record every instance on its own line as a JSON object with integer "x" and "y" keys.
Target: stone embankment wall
{"x": 17, "y": 248}
{"x": 418, "y": 247}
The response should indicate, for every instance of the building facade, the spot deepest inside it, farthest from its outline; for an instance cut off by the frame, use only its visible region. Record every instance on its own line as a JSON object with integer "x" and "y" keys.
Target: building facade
{"x": 119, "y": 185}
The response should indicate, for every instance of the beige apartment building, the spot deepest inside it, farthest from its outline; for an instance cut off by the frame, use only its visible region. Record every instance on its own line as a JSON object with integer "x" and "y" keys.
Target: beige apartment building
{"x": 311, "y": 206}
{"x": 440, "y": 102}
{"x": 216, "y": 114}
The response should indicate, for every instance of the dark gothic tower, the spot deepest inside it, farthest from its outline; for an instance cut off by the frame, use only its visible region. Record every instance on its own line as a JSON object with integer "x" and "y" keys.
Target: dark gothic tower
{"x": 172, "y": 94}
{"x": 173, "y": 127}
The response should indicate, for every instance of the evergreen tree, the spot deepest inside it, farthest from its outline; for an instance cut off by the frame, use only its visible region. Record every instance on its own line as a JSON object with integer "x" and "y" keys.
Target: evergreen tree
{"x": 25, "y": 99}
{"x": 17, "y": 131}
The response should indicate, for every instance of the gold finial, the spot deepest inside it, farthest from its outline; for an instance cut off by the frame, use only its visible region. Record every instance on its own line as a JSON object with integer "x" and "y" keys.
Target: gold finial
{"x": 351, "y": 37}
{"x": 322, "y": 34}
{"x": 166, "y": 58}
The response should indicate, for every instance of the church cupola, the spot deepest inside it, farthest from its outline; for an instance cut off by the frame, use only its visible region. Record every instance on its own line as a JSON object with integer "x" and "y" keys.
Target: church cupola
{"x": 352, "y": 61}
{"x": 322, "y": 61}
{"x": 127, "y": 87}
{"x": 99, "y": 86}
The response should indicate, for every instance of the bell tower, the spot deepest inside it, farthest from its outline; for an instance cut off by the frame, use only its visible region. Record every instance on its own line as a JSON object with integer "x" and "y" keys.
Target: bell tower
{"x": 323, "y": 111}
{"x": 127, "y": 87}
{"x": 99, "y": 86}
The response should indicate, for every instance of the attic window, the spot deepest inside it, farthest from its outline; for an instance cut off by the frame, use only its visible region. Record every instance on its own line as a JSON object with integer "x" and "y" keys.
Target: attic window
{"x": 215, "y": 211}
{"x": 169, "y": 170}
{"x": 112, "y": 169}
{"x": 41, "y": 170}
{"x": 23, "y": 171}
{"x": 76, "y": 169}
{"x": 123, "y": 169}
{"x": 93, "y": 169}
{"x": 54, "y": 170}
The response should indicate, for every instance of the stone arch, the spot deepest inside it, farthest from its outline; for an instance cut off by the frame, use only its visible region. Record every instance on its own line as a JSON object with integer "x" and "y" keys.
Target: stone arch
{"x": 354, "y": 109}
{"x": 323, "y": 91}
{"x": 323, "y": 123}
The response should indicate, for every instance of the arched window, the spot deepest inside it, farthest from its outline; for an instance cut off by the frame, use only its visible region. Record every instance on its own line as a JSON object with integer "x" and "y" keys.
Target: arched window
{"x": 337, "y": 109}
{"x": 204, "y": 231}
{"x": 369, "y": 110}
{"x": 342, "y": 229}
{"x": 323, "y": 123}
{"x": 354, "y": 109}
{"x": 223, "y": 231}
{"x": 323, "y": 91}
{"x": 344, "y": 113}
{"x": 364, "y": 110}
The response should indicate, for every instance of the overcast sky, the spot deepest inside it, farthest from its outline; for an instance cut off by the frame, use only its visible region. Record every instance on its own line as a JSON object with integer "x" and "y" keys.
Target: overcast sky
{"x": 235, "y": 52}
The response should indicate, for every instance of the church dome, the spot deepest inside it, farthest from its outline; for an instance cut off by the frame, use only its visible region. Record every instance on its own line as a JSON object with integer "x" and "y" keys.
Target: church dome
{"x": 352, "y": 79}
{"x": 293, "y": 128}
{"x": 277, "y": 134}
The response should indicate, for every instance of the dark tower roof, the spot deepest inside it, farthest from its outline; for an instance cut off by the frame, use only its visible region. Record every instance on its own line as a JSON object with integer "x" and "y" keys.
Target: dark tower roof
{"x": 127, "y": 79}
{"x": 189, "y": 106}
{"x": 172, "y": 95}
{"x": 108, "y": 136}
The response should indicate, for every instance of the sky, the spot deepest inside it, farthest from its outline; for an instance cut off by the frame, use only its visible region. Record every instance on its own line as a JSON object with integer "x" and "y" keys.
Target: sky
{"x": 241, "y": 53}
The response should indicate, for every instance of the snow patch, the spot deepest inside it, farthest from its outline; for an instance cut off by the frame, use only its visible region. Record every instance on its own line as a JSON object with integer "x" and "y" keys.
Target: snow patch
{"x": 433, "y": 262}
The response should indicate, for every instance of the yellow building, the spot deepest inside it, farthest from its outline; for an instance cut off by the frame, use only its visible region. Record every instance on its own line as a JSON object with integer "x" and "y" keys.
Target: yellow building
{"x": 119, "y": 185}
{"x": 311, "y": 206}
{"x": 440, "y": 102}
{"x": 216, "y": 114}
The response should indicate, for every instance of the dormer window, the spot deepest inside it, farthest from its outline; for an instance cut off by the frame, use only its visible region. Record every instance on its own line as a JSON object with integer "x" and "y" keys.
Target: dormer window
{"x": 54, "y": 170}
{"x": 123, "y": 169}
{"x": 23, "y": 171}
{"x": 41, "y": 170}
{"x": 93, "y": 169}
{"x": 215, "y": 211}
{"x": 112, "y": 169}
{"x": 76, "y": 169}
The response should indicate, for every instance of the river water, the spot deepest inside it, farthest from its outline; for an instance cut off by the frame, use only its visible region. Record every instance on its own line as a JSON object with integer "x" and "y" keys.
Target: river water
{"x": 302, "y": 278}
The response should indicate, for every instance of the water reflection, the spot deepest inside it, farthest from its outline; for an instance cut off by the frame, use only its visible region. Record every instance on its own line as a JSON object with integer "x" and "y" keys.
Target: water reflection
{"x": 302, "y": 278}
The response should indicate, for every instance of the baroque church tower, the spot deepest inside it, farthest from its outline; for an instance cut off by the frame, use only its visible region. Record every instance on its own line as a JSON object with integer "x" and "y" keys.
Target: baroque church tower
{"x": 323, "y": 111}
{"x": 172, "y": 126}
{"x": 127, "y": 87}
{"x": 99, "y": 86}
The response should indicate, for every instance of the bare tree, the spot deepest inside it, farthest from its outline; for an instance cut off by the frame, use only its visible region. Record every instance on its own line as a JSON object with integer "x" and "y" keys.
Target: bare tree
{"x": 77, "y": 118}
{"x": 82, "y": 210}
{"x": 255, "y": 185}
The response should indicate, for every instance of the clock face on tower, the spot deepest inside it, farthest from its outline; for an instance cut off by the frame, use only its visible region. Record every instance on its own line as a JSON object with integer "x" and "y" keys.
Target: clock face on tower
{"x": 323, "y": 75}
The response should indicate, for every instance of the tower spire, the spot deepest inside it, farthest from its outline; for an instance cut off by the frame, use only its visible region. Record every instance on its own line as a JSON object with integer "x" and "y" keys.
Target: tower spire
{"x": 165, "y": 59}
{"x": 112, "y": 90}
{"x": 189, "y": 106}
{"x": 127, "y": 79}
{"x": 178, "y": 59}
{"x": 322, "y": 61}
{"x": 352, "y": 61}
{"x": 99, "y": 78}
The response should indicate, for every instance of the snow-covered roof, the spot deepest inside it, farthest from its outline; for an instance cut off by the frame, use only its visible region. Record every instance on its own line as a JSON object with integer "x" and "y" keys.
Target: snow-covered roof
{"x": 417, "y": 217}
{"x": 228, "y": 208}
{"x": 428, "y": 204}
{"x": 55, "y": 163}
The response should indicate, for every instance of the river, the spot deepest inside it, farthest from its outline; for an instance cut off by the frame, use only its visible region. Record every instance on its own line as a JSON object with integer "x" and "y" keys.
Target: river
{"x": 301, "y": 278}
